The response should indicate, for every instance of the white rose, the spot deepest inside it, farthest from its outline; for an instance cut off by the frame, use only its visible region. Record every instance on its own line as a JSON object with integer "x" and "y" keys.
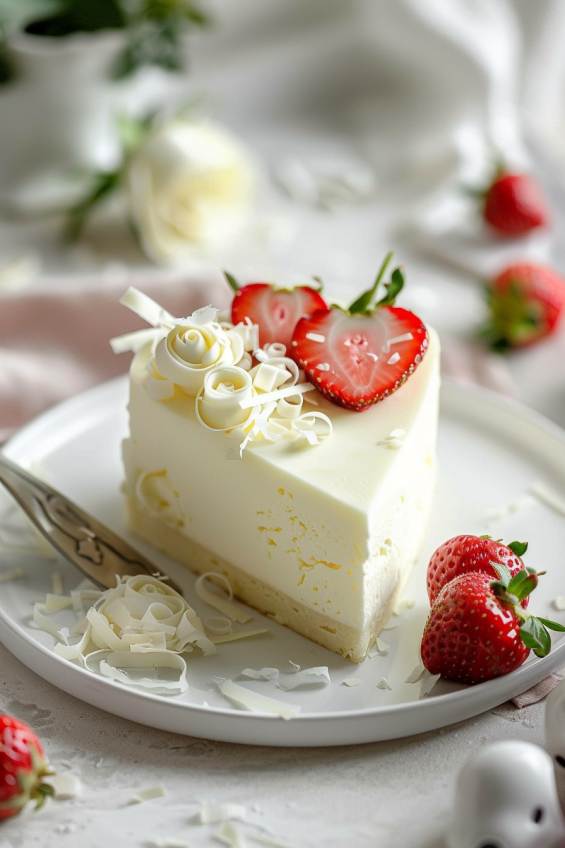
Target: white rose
{"x": 191, "y": 350}
{"x": 188, "y": 184}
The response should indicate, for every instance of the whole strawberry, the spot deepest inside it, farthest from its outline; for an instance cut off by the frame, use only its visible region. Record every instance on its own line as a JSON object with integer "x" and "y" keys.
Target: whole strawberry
{"x": 22, "y": 767}
{"x": 356, "y": 357}
{"x": 477, "y": 628}
{"x": 526, "y": 304}
{"x": 514, "y": 205}
{"x": 465, "y": 554}
{"x": 275, "y": 310}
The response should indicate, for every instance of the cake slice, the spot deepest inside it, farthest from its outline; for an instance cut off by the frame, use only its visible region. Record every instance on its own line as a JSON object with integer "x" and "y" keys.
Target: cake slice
{"x": 317, "y": 531}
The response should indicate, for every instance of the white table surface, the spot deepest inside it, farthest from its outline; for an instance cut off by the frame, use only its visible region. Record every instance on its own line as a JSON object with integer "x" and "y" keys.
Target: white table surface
{"x": 398, "y": 793}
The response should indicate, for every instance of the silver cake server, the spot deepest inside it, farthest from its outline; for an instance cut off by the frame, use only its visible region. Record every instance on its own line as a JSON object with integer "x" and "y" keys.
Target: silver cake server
{"x": 82, "y": 540}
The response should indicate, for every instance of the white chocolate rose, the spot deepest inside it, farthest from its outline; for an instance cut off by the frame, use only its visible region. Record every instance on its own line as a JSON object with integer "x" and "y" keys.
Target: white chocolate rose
{"x": 188, "y": 184}
{"x": 218, "y": 404}
{"x": 190, "y": 351}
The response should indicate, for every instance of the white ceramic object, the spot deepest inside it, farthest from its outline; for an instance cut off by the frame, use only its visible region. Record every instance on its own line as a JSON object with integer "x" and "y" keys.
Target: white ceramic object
{"x": 555, "y": 735}
{"x": 490, "y": 452}
{"x": 506, "y": 798}
{"x": 59, "y": 115}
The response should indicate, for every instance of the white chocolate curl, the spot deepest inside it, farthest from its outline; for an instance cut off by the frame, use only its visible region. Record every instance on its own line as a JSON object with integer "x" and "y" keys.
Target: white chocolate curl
{"x": 218, "y": 404}
{"x": 313, "y": 426}
{"x": 190, "y": 351}
{"x": 290, "y": 407}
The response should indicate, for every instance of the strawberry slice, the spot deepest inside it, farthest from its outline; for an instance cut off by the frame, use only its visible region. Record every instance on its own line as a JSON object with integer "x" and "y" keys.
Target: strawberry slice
{"x": 275, "y": 310}
{"x": 357, "y": 357}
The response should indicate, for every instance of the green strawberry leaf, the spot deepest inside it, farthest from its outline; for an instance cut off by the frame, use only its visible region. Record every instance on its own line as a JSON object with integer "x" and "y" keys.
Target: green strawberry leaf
{"x": 363, "y": 302}
{"x": 518, "y": 548}
{"x": 522, "y": 584}
{"x": 535, "y": 636}
{"x": 553, "y": 625}
{"x": 232, "y": 281}
{"x": 503, "y": 572}
{"x": 393, "y": 288}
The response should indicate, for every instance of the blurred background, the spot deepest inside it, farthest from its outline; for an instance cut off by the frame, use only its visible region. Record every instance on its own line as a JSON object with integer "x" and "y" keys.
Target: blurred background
{"x": 156, "y": 142}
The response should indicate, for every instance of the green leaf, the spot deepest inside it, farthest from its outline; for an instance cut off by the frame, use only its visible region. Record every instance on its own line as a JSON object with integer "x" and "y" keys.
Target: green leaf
{"x": 232, "y": 281}
{"x": 553, "y": 625}
{"x": 535, "y": 637}
{"x": 518, "y": 548}
{"x": 103, "y": 184}
{"x": 363, "y": 302}
{"x": 503, "y": 572}
{"x": 522, "y": 584}
{"x": 393, "y": 288}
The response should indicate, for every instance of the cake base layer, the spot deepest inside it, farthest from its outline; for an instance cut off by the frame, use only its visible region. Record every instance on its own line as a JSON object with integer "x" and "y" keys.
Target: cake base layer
{"x": 320, "y": 628}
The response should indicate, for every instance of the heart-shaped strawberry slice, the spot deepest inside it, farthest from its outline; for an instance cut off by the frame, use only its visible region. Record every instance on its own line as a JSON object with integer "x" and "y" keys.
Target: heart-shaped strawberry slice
{"x": 357, "y": 357}
{"x": 275, "y": 310}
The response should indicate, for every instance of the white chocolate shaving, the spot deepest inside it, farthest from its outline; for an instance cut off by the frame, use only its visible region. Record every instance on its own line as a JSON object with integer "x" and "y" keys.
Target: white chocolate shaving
{"x": 169, "y": 842}
{"x": 290, "y": 407}
{"x": 316, "y": 337}
{"x": 260, "y": 674}
{"x": 236, "y": 635}
{"x": 56, "y": 603}
{"x": 146, "y": 307}
{"x": 559, "y": 603}
{"x": 268, "y": 840}
{"x": 417, "y": 673}
{"x": 57, "y": 583}
{"x": 384, "y": 684}
{"x": 119, "y": 666}
{"x": 40, "y": 618}
{"x": 393, "y": 359}
{"x": 218, "y": 625}
{"x": 229, "y": 609}
{"x": 140, "y": 625}
{"x": 210, "y": 813}
{"x": 300, "y": 388}
{"x": 13, "y": 574}
{"x": 428, "y": 684}
{"x": 229, "y": 835}
{"x": 65, "y": 785}
{"x": 306, "y": 677}
{"x": 313, "y": 426}
{"x": 256, "y": 703}
{"x": 351, "y": 681}
{"x": 148, "y": 794}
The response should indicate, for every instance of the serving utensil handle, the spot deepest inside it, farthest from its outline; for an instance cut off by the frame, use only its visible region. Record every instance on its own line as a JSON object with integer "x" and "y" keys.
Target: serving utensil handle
{"x": 75, "y": 534}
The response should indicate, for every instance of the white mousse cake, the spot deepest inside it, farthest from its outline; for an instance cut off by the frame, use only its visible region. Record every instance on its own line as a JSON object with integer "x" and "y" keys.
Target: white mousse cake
{"x": 315, "y": 520}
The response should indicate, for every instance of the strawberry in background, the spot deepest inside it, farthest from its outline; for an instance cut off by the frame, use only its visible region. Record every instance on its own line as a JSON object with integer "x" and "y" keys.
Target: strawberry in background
{"x": 22, "y": 768}
{"x": 526, "y": 304}
{"x": 514, "y": 205}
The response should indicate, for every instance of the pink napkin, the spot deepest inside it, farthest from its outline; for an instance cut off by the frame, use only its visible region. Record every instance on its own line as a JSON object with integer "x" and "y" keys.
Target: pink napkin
{"x": 54, "y": 338}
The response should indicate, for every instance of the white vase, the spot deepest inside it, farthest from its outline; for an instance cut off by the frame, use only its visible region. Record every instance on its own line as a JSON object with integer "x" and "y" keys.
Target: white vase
{"x": 58, "y": 116}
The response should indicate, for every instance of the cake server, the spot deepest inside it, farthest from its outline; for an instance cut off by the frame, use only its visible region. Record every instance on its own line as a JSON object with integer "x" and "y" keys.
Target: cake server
{"x": 79, "y": 537}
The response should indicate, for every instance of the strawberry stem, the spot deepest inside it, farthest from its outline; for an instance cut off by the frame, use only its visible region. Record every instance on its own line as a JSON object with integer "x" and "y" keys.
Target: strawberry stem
{"x": 512, "y": 590}
{"x": 232, "y": 282}
{"x": 363, "y": 302}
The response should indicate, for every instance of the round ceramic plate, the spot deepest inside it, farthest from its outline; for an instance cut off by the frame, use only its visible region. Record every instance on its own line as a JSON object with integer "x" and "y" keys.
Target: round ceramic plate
{"x": 493, "y": 456}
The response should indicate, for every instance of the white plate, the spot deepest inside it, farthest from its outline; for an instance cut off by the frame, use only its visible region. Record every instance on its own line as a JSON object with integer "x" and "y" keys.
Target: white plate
{"x": 490, "y": 452}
